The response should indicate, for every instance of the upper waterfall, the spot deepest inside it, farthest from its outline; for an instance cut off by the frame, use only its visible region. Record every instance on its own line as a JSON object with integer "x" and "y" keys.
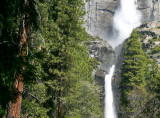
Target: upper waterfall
{"x": 125, "y": 19}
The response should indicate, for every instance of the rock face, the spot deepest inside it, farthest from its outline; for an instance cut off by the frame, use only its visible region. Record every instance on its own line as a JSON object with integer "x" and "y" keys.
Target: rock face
{"x": 100, "y": 16}
{"x": 101, "y": 12}
{"x": 102, "y": 52}
{"x": 150, "y": 38}
{"x": 117, "y": 78}
{"x": 150, "y": 9}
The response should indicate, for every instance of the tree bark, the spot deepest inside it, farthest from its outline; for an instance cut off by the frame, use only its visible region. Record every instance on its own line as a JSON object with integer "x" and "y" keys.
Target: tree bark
{"x": 14, "y": 108}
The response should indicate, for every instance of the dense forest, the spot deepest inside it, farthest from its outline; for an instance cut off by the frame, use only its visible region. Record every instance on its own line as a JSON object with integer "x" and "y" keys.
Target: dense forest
{"x": 140, "y": 83}
{"x": 45, "y": 69}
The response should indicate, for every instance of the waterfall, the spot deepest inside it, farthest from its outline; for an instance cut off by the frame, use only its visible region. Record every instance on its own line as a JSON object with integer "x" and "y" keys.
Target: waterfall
{"x": 126, "y": 18}
{"x": 109, "y": 106}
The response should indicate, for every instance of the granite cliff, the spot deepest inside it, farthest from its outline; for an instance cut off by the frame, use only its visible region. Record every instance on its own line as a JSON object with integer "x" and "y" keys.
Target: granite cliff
{"x": 101, "y": 12}
{"x": 105, "y": 55}
{"x": 150, "y": 9}
{"x": 100, "y": 16}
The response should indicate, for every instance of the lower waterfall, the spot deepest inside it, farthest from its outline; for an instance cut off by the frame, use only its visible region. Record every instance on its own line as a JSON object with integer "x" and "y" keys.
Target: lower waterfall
{"x": 109, "y": 106}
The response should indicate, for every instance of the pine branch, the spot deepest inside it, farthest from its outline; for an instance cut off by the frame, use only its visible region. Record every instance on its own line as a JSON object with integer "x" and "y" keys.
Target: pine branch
{"x": 7, "y": 42}
{"x": 43, "y": 40}
{"x": 34, "y": 97}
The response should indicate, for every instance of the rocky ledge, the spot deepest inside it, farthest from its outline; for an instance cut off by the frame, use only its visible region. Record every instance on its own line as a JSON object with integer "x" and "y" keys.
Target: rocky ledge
{"x": 150, "y": 38}
{"x": 105, "y": 55}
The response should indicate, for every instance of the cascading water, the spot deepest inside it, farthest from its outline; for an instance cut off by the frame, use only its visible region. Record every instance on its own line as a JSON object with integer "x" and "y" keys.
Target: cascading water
{"x": 109, "y": 107}
{"x": 126, "y": 18}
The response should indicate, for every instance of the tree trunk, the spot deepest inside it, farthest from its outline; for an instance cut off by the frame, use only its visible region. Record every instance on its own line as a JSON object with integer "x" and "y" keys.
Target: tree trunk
{"x": 14, "y": 108}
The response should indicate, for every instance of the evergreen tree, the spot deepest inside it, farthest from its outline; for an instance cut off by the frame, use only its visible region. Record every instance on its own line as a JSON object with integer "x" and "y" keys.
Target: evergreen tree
{"x": 140, "y": 84}
{"x": 15, "y": 23}
{"x": 133, "y": 85}
{"x": 152, "y": 108}
{"x": 9, "y": 49}
{"x": 52, "y": 61}
{"x": 65, "y": 64}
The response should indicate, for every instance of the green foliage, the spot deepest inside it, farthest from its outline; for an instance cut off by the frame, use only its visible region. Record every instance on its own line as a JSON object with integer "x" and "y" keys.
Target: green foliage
{"x": 155, "y": 50}
{"x": 154, "y": 37}
{"x": 60, "y": 62}
{"x": 83, "y": 96}
{"x": 57, "y": 65}
{"x": 2, "y": 112}
{"x": 82, "y": 91}
{"x": 134, "y": 74}
{"x": 34, "y": 101}
{"x": 9, "y": 41}
{"x": 140, "y": 84}
{"x": 11, "y": 18}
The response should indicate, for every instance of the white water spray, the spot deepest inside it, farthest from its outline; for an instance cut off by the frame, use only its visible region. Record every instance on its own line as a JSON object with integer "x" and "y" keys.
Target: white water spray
{"x": 126, "y": 18}
{"x": 109, "y": 111}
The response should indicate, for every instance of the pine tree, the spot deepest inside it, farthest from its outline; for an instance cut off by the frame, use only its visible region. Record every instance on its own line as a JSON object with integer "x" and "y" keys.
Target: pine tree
{"x": 15, "y": 26}
{"x": 9, "y": 48}
{"x": 133, "y": 85}
{"x": 55, "y": 68}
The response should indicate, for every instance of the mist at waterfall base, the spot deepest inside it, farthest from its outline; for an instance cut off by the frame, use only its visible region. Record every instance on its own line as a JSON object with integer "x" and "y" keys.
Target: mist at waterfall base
{"x": 126, "y": 18}
{"x": 109, "y": 111}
